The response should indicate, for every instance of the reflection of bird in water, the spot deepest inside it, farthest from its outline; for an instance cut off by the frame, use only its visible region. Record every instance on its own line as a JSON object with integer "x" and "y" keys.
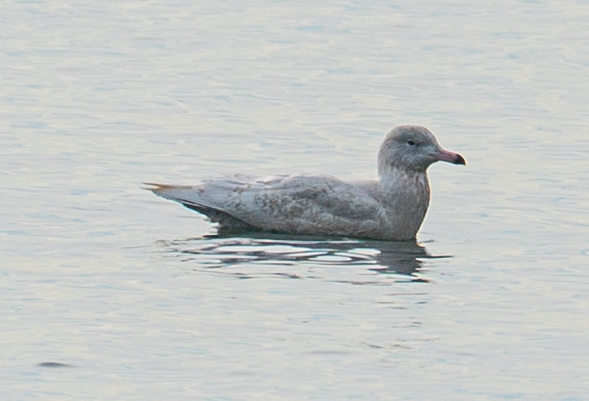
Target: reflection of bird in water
{"x": 389, "y": 208}
{"x": 247, "y": 257}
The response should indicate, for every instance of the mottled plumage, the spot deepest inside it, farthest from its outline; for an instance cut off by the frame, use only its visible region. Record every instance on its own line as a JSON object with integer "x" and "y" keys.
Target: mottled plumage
{"x": 391, "y": 207}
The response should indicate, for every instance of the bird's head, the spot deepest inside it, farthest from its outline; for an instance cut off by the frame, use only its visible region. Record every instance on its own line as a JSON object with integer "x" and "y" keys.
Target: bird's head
{"x": 412, "y": 148}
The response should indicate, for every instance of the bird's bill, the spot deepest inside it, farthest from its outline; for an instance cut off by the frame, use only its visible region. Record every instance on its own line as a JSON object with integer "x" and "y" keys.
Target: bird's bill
{"x": 445, "y": 156}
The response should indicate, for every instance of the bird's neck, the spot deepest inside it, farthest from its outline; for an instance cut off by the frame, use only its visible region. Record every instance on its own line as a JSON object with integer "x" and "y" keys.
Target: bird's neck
{"x": 397, "y": 178}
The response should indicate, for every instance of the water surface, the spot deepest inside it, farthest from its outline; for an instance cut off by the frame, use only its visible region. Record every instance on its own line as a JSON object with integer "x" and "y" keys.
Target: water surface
{"x": 111, "y": 293}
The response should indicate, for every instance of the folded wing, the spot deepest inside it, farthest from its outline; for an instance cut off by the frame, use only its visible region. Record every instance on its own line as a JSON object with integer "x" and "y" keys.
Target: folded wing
{"x": 298, "y": 204}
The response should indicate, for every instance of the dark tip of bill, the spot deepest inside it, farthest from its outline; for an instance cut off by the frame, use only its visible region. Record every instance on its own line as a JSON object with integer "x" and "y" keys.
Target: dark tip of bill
{"x": 460, "y": 160}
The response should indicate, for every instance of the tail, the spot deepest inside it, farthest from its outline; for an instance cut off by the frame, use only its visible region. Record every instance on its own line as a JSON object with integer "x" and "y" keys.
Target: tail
{"x": 191, "y": 197}
{"x": 157, "y": 187}
{"x": 180, "y": 193}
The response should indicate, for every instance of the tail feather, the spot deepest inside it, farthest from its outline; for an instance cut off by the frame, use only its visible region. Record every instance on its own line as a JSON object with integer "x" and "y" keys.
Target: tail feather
{"x": 164, "y": 186}
{"x": 185, "y": 194}
{"x": 188, "y": 196}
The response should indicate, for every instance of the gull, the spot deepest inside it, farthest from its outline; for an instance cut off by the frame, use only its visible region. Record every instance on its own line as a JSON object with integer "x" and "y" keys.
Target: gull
{"x": 391, "y": 207}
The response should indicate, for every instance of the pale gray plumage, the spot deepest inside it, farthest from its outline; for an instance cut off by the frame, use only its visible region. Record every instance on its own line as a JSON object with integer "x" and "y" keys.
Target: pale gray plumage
{"x": 391, "y": 207}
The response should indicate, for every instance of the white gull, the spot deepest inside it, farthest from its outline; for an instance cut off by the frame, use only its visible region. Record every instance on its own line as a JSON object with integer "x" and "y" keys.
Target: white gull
{"x": 392, "y": 207}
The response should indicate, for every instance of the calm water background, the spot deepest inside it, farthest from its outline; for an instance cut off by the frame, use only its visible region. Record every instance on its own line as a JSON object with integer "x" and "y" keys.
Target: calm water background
{"x": 123, "y": 290}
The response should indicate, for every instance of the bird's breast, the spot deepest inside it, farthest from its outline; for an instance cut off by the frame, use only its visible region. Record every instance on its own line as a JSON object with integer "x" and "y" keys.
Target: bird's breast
{"x": 405, "y": 201}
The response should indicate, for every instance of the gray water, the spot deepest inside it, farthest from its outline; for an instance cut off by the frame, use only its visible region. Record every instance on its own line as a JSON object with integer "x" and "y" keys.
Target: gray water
{"x": 108, "y": 292}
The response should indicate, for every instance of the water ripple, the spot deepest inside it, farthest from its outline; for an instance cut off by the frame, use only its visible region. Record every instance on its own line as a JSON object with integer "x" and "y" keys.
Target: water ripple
{"x": 345, "y": 261}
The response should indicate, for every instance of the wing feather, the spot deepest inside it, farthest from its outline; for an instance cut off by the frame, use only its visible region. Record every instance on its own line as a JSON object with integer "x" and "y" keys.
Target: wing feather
{"x": 303, "y": 204}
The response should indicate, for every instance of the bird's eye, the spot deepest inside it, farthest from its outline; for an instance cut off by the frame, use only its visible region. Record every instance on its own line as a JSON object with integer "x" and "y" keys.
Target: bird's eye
{"x": 410, "y": 143}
